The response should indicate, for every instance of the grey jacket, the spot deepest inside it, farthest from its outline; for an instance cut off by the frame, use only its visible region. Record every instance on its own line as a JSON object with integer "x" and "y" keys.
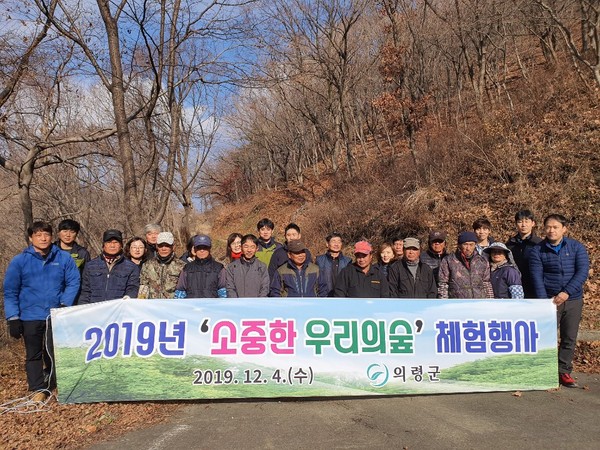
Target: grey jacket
{"x": 247, "y": 278}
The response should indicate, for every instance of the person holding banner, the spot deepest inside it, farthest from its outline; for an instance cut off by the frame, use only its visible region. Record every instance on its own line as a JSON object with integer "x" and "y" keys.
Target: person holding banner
{"x": 110, "y": 275}
{"x": 559, "y": 267}
{"x": 40, "y": 278}
{"x": 362, "y": 279}
{"x": 247, "y": 276}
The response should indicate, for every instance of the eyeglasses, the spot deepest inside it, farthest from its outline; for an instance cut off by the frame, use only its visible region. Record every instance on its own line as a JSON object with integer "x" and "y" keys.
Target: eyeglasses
{"x": 137, "y": 247}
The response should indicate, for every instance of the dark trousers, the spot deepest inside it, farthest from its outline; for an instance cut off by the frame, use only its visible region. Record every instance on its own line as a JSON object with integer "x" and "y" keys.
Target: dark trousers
{"x": 568, "y": 316}
{"x": 39, "y": 354}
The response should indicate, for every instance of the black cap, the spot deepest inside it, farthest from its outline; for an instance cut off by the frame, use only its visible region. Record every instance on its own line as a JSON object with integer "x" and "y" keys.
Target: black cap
{"x": 110, "y": 235}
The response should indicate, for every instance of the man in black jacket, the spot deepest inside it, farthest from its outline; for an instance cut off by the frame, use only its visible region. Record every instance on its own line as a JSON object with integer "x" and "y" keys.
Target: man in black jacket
{"x": 521, "y": 245}
{"x": 410, "y": 278}
{"x": 362, "y": 279}
{"x": 201, "y": 278}
{"x": 110, "y": 275}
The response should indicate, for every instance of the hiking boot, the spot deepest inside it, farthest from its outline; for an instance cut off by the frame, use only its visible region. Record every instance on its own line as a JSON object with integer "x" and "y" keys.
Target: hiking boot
{"x": 39, "y": 397}
{"x": 566, "y": 380}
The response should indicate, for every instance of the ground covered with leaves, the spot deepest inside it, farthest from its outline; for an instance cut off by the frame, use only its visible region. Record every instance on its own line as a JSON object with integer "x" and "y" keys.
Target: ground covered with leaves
{"x": 54, "y": 425}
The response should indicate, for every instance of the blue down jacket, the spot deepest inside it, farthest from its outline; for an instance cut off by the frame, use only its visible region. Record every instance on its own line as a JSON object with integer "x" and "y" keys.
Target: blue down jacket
{"x": 33, "y": 284}
{"x": 564, "y": 270}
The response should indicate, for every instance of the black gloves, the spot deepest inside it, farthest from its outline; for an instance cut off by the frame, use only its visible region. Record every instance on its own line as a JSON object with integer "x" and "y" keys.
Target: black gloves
{"x": 15, "y": 328}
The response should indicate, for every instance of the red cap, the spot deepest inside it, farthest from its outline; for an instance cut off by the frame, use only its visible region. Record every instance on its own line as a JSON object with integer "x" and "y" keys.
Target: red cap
{"x": 362, "y": 247}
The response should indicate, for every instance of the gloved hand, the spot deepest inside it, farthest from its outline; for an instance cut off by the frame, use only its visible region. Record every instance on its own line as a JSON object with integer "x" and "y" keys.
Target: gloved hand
{"x": 15, "y": 328}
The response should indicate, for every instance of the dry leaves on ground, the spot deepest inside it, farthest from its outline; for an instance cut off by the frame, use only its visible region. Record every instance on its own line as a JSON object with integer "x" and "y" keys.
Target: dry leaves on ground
{"x": 65, "y": 426}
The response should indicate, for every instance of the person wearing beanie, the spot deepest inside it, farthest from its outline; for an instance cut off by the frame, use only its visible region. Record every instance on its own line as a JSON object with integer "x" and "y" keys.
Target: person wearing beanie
{"x": 362, "y": 279}
{"x": 409, "y": 277}
{"x": 203, "y": 277}
{"x": 436, "y": 251}
{"x": 110, "y": 275}
{"x": 505, "y": 277}
{"x": 160, "y": 274}
{"x": 465, "y": 273}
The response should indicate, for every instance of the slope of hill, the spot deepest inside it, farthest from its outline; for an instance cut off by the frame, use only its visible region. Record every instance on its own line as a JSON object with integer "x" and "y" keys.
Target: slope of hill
{"x": 542, "y": 155}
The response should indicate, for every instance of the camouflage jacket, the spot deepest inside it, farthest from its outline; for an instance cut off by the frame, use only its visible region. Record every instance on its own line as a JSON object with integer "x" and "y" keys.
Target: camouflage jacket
{"x": 158, "y": 280}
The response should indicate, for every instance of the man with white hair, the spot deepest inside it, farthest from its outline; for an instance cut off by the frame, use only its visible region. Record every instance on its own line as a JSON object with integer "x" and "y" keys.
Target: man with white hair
{"x": 151, "y": 232}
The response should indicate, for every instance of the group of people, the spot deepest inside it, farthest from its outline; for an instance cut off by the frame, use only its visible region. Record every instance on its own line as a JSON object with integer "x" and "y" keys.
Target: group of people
{"x": 52, "y": 274}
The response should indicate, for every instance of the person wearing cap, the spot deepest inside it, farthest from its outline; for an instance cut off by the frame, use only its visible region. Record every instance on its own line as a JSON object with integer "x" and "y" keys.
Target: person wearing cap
{"x": 247, "y": 276}
{"x": 332, "y": 261}
{"x": 521, "y": 245}
{"x": 266, "y": 243}
{"x": 298, "y": 277}
{"x": 436, "y": 251}
{"x": 110, "y": 275}
{"x": 465, "y": 273}
{"x": 505, "y": 277}
{"x": 160, "y": 274}
{"x": 280, "y": 255}
{"x": 362, "y": 279}
{"x": 409, "y": 277}
{"x": 559, "y": 267}
{"x": 38, "y": 279}
{"x": 202, "y": 277}
{"x": 68, "y": 230}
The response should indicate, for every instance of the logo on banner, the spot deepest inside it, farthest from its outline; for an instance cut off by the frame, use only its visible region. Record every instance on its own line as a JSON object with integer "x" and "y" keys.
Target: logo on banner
{"x": 378, "y": 374}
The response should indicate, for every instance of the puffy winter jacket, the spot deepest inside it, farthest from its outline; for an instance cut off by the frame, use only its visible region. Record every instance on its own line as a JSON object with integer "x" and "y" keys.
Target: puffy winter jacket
{"x": 200, "y": 278}
{"x": 559, "y": 270}
{"x": 325, "y": 263}
{"x": 521, "y": 250}
{"x": 457, "y": 281}
{"x": 100, "y": 284}
{"x": 33, "y": 284}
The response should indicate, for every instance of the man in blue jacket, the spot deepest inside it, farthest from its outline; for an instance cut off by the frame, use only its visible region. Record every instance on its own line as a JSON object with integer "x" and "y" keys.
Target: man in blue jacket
{"x": 40, "y": 278}
{"x": 559, "y": 267}
{"x": 333, "y": 261}
{"x": 110, "y": 275}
